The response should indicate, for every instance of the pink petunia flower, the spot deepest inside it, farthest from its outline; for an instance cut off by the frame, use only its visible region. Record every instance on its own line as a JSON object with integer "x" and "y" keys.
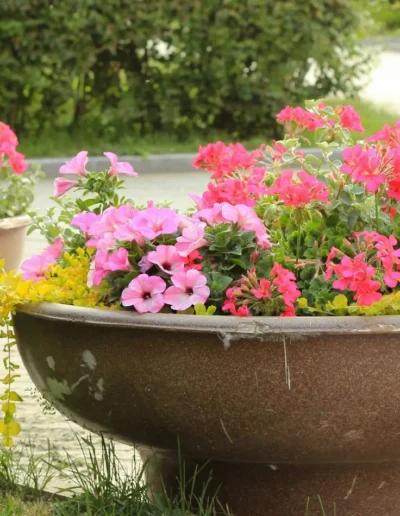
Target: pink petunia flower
{"x": 85, "y": 221}
{"x": 118, "y": 261}
{"x": 34, "y": 268}
{"x": 153, "y": 222}
{"x": 55, "y": 249}
{"x": 166, "y": 257}
{"x": 192, "y": 238}
{"x": 145, "y": 293}
{"x": 61, "y": 186}
{"x": 189, "y": 288}
{"x": 119, "y": 167}
{"x": 76, "y": 165}
{"x": 97, "y": 271}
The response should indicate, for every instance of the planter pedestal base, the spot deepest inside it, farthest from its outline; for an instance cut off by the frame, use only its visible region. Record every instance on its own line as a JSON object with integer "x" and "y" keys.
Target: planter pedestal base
{"x": 285, "y": 490}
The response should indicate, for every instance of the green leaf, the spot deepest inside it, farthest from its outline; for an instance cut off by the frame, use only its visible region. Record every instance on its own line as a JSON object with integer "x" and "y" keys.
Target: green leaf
{"x": 345, "y": 197}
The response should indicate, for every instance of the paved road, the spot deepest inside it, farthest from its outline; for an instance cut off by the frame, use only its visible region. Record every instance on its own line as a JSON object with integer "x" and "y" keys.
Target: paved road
{"x": 384, "y": 85}
{"x": 37, "y": 426}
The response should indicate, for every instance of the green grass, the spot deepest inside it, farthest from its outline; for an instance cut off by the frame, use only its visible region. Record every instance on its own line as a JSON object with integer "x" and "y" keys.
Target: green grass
{"x": 98, "y": 485}
{"x": 63, "y": 144}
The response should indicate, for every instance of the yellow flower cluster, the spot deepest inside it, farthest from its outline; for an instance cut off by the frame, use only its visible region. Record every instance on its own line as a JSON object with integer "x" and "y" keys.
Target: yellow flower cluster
{"x": 66, "y": 284}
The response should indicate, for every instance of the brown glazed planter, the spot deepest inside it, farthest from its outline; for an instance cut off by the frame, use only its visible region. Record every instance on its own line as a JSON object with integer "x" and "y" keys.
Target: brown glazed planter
{"x": 12, "y": 240}
{"x": 284, "y": 409}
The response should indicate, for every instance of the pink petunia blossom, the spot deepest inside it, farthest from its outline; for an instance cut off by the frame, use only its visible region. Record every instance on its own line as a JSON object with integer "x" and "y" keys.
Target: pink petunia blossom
{"x": 166, "y": 257}
{"x": 55, "y": 249}
{"x": 189, "y": 288}
{"x": 97, "y": 271}
{"x": 145, "y": 293}
{"x": 154, "y": 222}
{"x": 34, "y": 268}
{"x": 85, "y": 221}
{"x": 76, "y": 165}
{"x": 119, "y": 167}
{"x": 61, "y": 186}
{"x": 192, "y": 238}
{"x": 118, "y": 261}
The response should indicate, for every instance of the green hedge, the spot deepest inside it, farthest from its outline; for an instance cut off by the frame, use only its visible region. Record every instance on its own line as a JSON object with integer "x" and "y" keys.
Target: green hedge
{"x": 231, "y": 64}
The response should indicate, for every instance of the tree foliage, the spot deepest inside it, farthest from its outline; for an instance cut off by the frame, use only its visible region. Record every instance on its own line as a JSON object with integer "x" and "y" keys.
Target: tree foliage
{"x": 170, "y": 65}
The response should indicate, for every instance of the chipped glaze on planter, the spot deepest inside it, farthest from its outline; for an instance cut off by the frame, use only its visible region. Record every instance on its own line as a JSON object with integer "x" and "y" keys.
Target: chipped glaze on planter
{"x": 283, "y": 408}
{"x": 12, "y": 240}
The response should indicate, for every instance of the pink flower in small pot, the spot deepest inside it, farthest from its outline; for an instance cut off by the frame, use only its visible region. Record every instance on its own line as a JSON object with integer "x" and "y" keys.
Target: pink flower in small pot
{"x": 166, "y": 257}
{"x": 17, "y": 162}
{"x": 61, "y": 186}
{"x": 77, "y": 165}
{"x": 145, "y": 293}
{"x": 190, "y": 287}
{"x": 119, "y": 167}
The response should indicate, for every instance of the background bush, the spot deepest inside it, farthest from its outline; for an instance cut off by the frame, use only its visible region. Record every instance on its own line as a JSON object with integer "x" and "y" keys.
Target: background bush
{"x": 170, "y": 65}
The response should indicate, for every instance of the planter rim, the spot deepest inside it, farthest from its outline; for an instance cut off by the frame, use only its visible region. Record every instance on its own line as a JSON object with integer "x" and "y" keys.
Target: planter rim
{"x": 220, "y": 324}
{"x": 15, "y": 222}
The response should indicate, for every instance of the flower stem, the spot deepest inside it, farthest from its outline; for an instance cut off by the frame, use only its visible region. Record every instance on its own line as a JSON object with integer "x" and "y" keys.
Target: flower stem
{"x": 299, "y": 219}
{"x": 377, "y": 211}
{"x": 298, "y": 245}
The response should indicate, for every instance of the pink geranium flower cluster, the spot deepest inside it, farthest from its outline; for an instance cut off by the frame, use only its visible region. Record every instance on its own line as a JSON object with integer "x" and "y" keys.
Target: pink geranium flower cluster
{"x": 362, "y": 274}
{"x": 8, "y": 150}
{"x": 222, "y": 160}
{"x": 388, "y": 135}
{"x": 300, "y": 117}
{"x": 303, "y": 119}
{"x": 298, "y": 189}
{"x": 253, "y": 294}
{"x": 247, "y": 189}
{"x": 374, "y": 167}
{"x": 236, "y": 178}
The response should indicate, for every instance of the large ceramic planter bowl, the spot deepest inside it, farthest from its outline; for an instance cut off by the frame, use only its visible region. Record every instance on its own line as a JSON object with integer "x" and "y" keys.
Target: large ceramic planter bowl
{"x": 283, "y": 408}
{"x": 12, "y": 240}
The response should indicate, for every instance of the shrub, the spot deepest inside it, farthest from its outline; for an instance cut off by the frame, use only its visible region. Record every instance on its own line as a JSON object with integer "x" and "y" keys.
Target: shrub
{"x": 171, "y": 65}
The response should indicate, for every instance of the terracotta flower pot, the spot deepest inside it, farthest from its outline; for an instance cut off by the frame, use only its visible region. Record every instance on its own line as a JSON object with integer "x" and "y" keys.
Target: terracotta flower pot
{"x": 284, "y": 409}
{"x": 12, "y": 240}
